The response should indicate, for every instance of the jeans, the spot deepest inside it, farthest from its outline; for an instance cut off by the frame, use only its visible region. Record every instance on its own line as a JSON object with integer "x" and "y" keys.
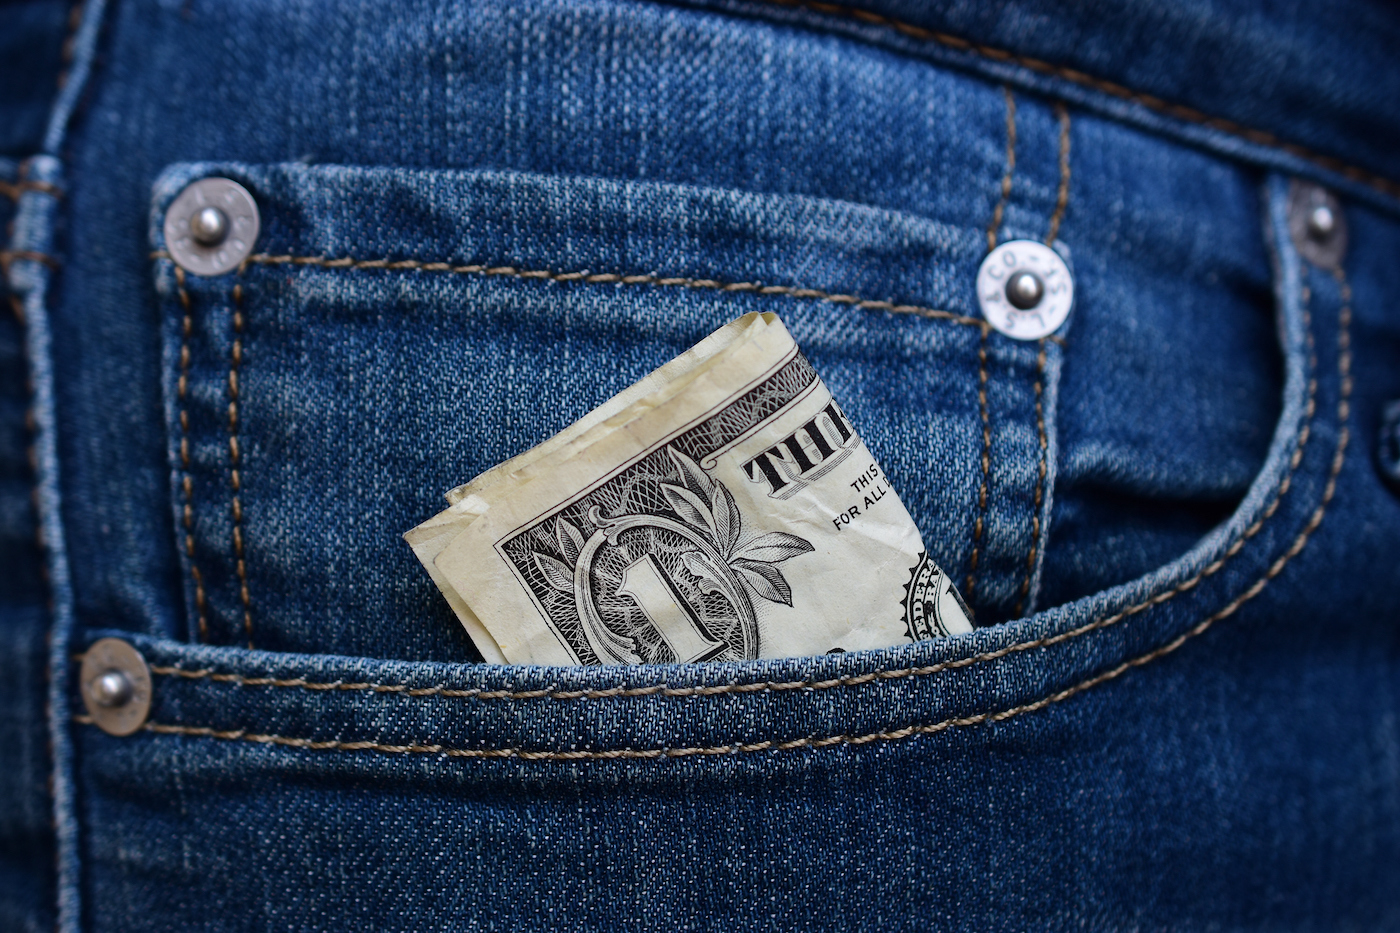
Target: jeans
{"x": 478, "y": 222}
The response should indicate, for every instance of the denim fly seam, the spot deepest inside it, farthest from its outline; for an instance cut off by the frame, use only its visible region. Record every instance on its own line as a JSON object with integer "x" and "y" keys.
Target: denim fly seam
{"x": 25, "y": 759}
{"x": 81, "y": 50}
{"x": 1291, "y": 451}
{"x": 31, "y": 270}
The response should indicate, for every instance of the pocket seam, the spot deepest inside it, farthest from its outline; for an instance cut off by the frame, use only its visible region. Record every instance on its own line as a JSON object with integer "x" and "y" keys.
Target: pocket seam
{"x": 1236, "y": 547}
{"x": 815, "y": 742}
{"x": 182, "y": 383}
{"x": 607, "y": 278}
{"x": 235, "y": 450}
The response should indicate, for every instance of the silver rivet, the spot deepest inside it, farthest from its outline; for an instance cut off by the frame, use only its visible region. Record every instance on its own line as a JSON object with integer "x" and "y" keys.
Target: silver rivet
{"x": 1024, "y": 289}
{"x": 209, "y": 226}
{"x": 116, "y": 686}
{"x": 212, "y": 226}
{"x": 111, "y": 689}
{"x": 1321, "y": 222}
{"x": 1317, "y": 224}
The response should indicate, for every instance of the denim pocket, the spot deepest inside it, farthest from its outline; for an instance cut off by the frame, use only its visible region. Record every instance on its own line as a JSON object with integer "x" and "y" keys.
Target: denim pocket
{"x": 400, "y": 331}
{"x": 406, "y": 346}
{"x": 523, "y": 791}
{"x": 548, "y": 785}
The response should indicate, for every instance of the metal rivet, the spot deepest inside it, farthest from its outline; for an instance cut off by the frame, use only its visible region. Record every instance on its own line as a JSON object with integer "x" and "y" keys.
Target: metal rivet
{"x": 1024, "y": 289}
{"x": 212, "y": 226}
{"x": 209, "y": 226}
{"x": 111, "y": 689}
{"x": 1388, "y": 450}
{"x": 116, "y": 686}
{"x": 1322, "y": 223}
{"x": 1317, "y": 224}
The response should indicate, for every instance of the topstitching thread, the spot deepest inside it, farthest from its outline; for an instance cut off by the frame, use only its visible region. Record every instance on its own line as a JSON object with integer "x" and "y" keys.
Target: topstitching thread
{"x": 1062, "y": 194}
{"x": 814, "y": 742}
{"x": 1042, "y": 468}
{"x": 1304, "y": 434}
{"x": 182, "y": 386}
{"x": 13, "y": 190}
{"x": 978, "y": 526}
{"x": 1150, "y": 101}
{"x": 610, "y": 278}
{"x": 1000, "y": 209}
{"x": 979, "y": 523}
{"x": 236, "y": 461}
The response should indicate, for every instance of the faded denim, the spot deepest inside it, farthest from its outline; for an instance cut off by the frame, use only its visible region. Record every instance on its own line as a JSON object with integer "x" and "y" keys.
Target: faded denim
{"x": 481, "y": 221}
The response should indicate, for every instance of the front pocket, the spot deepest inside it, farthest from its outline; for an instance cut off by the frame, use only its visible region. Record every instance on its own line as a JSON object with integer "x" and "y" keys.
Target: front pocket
{"x": 323, "y": 336}
{"x": 437, "y": 714}
{"x": 400, "y": 331}
{"x": 500, "y": 792}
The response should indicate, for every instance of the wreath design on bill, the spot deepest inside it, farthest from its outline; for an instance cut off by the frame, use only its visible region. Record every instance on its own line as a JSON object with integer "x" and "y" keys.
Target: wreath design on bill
{"x": 677, "y": 583}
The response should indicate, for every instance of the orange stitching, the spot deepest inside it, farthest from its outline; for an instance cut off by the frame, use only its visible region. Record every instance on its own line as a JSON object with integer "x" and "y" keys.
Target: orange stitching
{"x": 13, "y": 190}
{"x": 1062, "y": 195}
{"x": 986, "y": 464}
{"x": 1304, "y": 433}
{"x": 1040, "y": 481}
{"x": 1150, "y": 101}
{"x": 853, "y": 680}
{"x": 609, "y": 278}
{"x": 9, "y": 256}
{"x": 992, "y": 228}
{"x": 187, "y": 483}
{"x": 1010, "y": 170}
{"x": 75, "y": 19}
{"x": 236, "y": 461}
{"x": 814, "y": 742}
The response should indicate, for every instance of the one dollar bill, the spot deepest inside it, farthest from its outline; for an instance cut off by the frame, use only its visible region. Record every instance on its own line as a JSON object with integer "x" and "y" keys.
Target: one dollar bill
{"x": 722, "y": 508}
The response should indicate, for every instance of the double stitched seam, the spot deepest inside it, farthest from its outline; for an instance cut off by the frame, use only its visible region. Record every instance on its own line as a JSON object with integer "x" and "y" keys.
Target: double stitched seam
{"x": 182, "y": 387}
{"x": 236, "y": 461}
{"x": 1005, "y": 196}
{"x": 979, "y": 523}
{"x": 603, "y": 278}
{"x": 1062, "y": 194}
{"x": 1042, "y": 466}
{"x": 853, "y": 680}
{"x": 1074, "y": 76}
{"x": 815, "y": 742}
{"x": 31, "y": 451}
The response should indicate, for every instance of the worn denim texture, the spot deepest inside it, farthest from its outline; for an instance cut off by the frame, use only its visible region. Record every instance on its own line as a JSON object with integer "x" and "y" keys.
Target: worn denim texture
{"x": 480, "y": 221}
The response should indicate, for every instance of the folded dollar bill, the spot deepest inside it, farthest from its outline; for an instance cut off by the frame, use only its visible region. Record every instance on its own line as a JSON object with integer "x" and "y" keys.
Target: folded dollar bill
{"x": 722, "y": 508}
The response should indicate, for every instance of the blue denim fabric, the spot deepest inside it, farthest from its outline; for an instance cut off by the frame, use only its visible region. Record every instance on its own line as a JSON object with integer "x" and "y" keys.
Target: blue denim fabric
{"x": 1179, "y": 709}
